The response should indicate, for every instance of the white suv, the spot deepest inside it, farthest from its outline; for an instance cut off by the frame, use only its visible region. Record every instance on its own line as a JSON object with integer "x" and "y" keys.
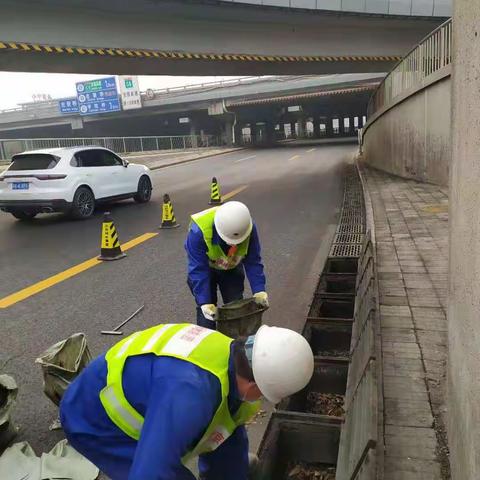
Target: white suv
{"x": 70, "y": 180}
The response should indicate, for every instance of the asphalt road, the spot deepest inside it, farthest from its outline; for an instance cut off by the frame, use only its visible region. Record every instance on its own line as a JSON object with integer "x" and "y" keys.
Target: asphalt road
{"x": 294, "y": 195}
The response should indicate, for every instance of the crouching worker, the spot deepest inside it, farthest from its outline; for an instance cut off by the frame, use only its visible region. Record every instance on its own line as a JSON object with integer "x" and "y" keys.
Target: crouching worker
{"x": 166, "y": 395}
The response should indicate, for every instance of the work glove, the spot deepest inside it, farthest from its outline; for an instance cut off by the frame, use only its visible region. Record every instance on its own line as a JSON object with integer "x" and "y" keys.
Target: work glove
{"x": 261, "y": 298}
{"x": 209, "y": 311}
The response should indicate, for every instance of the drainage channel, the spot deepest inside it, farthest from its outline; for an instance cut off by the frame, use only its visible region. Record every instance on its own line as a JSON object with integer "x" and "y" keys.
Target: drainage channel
{"x": 324, "y": 432}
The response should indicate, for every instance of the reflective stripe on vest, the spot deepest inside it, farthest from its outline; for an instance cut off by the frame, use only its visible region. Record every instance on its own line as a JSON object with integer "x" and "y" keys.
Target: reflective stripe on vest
{"x": 217, "y": 257}
{"x": 208, "y": 349}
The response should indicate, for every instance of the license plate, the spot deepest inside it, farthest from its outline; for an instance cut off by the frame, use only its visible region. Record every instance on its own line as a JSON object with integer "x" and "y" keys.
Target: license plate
{"x": 20, "y": 186}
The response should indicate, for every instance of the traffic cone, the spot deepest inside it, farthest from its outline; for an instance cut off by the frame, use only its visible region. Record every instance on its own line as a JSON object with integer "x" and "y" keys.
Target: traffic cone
{"x": 215, "y": 196}
{"x": 110, "y": 246}
{"x": 168, "y": 217}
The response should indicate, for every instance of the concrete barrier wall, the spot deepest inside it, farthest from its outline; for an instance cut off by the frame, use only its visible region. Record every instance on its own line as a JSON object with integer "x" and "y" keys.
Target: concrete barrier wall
{"x": 412, "y": 138}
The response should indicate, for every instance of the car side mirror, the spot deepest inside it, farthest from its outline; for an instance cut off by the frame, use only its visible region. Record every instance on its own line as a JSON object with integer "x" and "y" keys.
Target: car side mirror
{"x": 125, "y": 163}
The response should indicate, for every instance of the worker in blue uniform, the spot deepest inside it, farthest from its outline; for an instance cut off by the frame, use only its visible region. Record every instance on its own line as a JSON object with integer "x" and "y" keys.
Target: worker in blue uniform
{"x": 222, "y": 243}
{"x": 164, "y": 396}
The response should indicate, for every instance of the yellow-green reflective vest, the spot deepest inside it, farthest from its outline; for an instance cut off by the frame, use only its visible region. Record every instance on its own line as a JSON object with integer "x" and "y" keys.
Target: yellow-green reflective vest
{"x": 208, "y": 349}
{"x": 217, "y": 257}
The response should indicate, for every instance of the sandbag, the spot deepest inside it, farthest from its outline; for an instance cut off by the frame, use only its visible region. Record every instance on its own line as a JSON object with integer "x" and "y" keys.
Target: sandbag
{"x": 61, "y": 364}
{"x": 8, "y": 396}
{"x": 19, "y": 462}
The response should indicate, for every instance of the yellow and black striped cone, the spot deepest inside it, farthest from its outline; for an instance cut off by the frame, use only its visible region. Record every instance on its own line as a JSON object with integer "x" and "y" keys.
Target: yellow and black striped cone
{"x": 168, "y": 217}
{"x": 215, "y": 196}
{"x": 110, "y": 246}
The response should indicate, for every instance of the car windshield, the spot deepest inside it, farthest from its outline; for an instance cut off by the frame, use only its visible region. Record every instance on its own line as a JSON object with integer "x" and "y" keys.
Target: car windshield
{"x": 33, "y": 161}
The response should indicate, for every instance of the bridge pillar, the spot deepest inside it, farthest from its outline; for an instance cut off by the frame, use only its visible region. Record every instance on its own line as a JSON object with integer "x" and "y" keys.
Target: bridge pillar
{"x": 253, "y": 133}
{"x": 270, "y": 132}
{"x": 238, "y": 134}
{"x": 228, "y": 129}
{"x": 193, "y": 134}
{"x": 341, "y": 125}
{"x": 293, "y": 129}
{"x": 352, "y": 126}
{"x": 329, "y": 127}
{"x": 316, "y": 128}
{"x": 301, "y": 128}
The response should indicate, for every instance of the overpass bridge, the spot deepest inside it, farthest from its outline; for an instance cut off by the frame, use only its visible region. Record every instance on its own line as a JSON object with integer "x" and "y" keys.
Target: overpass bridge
{"x": 211, "y": 108}
{"x": 200, "y": 37}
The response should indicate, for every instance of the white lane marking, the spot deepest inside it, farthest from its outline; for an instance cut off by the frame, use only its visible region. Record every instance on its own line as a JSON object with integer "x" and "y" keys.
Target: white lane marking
{"x": 311, "y": 150}
{"x": 243, "y": 159}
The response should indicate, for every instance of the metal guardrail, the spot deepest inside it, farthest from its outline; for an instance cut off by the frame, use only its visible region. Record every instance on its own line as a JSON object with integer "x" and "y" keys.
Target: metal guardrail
{"x": 431, "y": 55}
{"x": 9, "y": 147}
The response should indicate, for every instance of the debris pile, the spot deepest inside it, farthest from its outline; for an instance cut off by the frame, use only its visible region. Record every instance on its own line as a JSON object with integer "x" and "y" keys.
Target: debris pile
{"x": 325, "y": 404}
{"x": 302, "y": 471}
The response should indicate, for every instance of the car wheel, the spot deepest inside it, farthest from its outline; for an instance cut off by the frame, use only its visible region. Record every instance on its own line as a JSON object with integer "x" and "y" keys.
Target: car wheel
{"x": 144, "y": 190}
{"x": 83, "y": 204}
{"x": 22, "y": 215}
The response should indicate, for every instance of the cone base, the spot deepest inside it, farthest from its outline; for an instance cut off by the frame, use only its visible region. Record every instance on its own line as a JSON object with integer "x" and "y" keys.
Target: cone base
{"x": 117, "y": 256}
{"x": 169, "y": 226}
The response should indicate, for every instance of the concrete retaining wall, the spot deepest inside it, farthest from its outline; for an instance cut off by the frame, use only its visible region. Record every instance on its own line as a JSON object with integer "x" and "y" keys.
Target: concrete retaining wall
{"x": 412, "y": 139}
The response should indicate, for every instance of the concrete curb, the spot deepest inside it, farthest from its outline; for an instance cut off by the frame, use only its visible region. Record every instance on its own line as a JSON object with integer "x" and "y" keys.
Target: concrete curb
{"x": 370, "y": 222}
{"x": 180, "y": 162}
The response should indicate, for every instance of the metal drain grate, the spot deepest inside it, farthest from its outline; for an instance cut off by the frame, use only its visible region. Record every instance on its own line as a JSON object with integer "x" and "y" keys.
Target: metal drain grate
{"x": 350, "y": 228}
{"x": 348, "y": 238}
{"x": 346, "y": 250}
{"x": 352, "y": 220}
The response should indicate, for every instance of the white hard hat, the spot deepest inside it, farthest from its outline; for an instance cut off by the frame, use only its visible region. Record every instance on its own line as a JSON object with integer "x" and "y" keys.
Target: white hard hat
{"x": 233, "y": 222}
{"x": 282, "y": 362}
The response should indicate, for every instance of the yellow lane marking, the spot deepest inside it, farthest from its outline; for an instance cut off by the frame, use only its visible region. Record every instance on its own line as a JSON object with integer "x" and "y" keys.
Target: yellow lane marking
{"x": 234, "y": 192}
{"x": 294, "y": 157}
{"x": 38, "y": 287}
{"x": 138, "y": 240}
{"x": 311, "y": 150}
{"x": 65, "y": 275}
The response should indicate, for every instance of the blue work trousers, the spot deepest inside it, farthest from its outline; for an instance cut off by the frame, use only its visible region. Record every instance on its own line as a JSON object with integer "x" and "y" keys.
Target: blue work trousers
{"x": 231, "y": 286}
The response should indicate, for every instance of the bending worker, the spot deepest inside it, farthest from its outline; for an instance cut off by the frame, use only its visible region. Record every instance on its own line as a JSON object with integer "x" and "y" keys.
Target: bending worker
{"x": 168, "y": 394}
{"x": 221, "y": 243}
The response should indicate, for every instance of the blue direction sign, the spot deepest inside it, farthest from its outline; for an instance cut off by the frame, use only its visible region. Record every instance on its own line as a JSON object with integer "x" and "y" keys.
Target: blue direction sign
{"x": 98, "y": 96}
{"x": 68, "y": 105}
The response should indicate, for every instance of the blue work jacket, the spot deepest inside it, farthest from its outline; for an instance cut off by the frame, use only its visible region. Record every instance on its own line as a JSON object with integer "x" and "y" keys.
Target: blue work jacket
{"x": 199, "y": 269}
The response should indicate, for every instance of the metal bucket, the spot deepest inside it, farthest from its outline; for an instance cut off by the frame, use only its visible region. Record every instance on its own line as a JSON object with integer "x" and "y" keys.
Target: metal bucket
{"x": 240, "y": 318}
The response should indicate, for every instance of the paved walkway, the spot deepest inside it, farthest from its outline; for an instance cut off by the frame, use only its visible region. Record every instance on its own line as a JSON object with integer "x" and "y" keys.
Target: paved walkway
{"x": 411, "y": 226}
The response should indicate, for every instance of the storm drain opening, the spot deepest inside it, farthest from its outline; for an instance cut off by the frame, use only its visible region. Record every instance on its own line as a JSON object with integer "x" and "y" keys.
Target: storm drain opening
{"x": 341, "y": 265}
{"x": 302, "y": 439}
{"x": 325, "y": 393}
{"x": 329, "y": 339}
{"x": 298, "y": 447}
{"x": 333, "y": 285}
{"x": 331, "y": 307}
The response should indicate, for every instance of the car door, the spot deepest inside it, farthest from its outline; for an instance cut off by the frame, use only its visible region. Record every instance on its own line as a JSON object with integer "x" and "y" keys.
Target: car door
{"x": 96, "y": 173}
{"x": 122, "y": 178}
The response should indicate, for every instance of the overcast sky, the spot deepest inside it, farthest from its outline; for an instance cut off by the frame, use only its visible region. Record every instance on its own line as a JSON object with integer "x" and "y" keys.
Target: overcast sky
{"x": 18, "y": 88}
